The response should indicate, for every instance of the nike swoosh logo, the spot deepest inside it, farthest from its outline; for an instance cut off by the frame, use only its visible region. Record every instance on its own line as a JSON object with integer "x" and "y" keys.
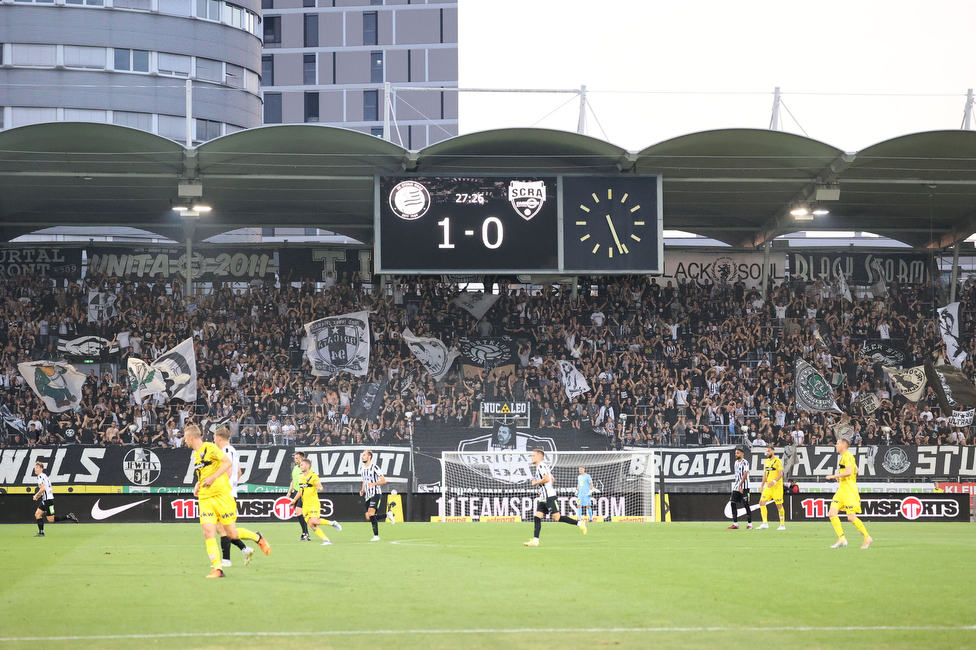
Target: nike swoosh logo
{"x": 98, "y": 514}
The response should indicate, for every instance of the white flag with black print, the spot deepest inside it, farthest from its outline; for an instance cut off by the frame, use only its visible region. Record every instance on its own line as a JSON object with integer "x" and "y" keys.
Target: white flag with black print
{"x": 910, "y": 382}
{"x": 144, "y": 379}
{"x": 963, "y": 419}
{"x": 868, "y": 402}
{"x": 843, "y": 288}
{"x": 338, "y": 344}
{"x": 431, "y": 353}
{"x": 477, "y": 304}
{"x": 949, "y": 327}
{"x": 178, "y": 368}
{"x": 813, "y": 392}
{"x": 573, "y": 380}
{"x": 101, "y": 306}
{"x": 879, "y": 287}
{"x": 57, "y": 384}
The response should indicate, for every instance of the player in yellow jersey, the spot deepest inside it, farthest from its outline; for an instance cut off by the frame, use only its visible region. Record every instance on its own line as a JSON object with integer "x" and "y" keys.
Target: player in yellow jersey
{"x": 216, "y": 502}
{"x": 772, "y": 488}
{"x": 846, "y": 498}
{"x": 309, "y": 486}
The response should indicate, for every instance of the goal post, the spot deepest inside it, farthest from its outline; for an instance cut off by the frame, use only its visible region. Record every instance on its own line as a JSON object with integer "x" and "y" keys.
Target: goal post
{"x": 497, "y": 484}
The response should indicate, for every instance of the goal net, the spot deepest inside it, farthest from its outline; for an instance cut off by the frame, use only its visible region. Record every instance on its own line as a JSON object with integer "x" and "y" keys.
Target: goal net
{"x": 497, "y": 484}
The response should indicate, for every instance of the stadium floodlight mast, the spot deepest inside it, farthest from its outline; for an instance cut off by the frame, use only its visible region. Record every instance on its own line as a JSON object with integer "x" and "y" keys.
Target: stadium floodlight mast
{"x": 189, "y": 213}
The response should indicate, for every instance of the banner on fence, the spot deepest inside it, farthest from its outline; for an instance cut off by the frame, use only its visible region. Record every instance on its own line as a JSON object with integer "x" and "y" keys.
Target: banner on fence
{"x": 41, "y": 261}
{"x": 144, "y": 263}
{"x": 860, "y": 268}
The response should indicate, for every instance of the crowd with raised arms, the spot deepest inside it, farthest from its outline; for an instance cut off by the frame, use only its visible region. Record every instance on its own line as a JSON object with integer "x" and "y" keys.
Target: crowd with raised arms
{"x": 667, "y": 363}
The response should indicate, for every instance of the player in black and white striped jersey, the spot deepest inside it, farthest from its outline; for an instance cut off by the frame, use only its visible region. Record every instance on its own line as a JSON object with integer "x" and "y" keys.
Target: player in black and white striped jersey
{"x": 547, "y": 497}
{"x": 372, "y": 491}
{"x": 45, "y": 494}
{"x": 222, "y": 440}
{"x": 740, "y": 489}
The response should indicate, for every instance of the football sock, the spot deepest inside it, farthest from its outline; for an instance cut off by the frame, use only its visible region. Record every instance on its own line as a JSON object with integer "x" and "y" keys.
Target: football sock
{"x": 835, "y": 522}
{"x": 782, "y": 516}
{"x": 318, "y": 531}
{"x": 244, "y": 533}
{"x": 238, "y": 543}
{"x": 735, "y": 512}
{"x": 40, "y": 525}
{"x": 765, "y": 515}
{"x": 748, "y": 511}
{"x": 225, "y": 547}
{"x": 860, "y": 526}
{"x": 569, "y": 520}
{"x": 214, "y": 553}
{"x": 376, "y": 528}
{"x": 58, "y": 518}
{"x": 589, "y": 512}
{"x": 301, "y": 520}
{"x": 538, "y": 526}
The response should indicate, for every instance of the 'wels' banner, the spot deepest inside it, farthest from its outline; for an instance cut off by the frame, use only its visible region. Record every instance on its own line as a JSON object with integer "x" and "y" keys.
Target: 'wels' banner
{"x": 41, "y": 261}
{"x": 209, "y": 264}
{"x": 860, "y": 268}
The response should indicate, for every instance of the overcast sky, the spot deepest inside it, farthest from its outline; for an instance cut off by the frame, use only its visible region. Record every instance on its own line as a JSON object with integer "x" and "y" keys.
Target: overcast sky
{"x": 841, "y": 66}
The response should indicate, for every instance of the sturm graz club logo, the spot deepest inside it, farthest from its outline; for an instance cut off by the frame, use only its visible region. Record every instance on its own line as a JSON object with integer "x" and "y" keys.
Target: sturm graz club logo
{"x": 896, "y": 461}
{"x": 527, "y": 197}
{"x": 141, "y": 466}
{"x": 409, "y": 200}
{"x": 486, "y": 352}
{"x": 814, "y": 388}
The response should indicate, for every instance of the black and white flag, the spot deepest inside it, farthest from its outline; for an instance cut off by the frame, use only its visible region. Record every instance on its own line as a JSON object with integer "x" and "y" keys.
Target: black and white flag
{"x": 910, "y": 382}
{"x": 178, "y": 369}
{"x": 573, "y": 380}
{"x": 477, "y": 304}
{"x": 887, "y": 351}
{"x": 87, "y": 346}
{"x": 879, "y": 286}
{"x": 954, "y": 390}
{"x": 368, "y": 400}
{"x": 949, "y": 327}
{"x": 868, "y": 402}
{"x": 489, "y": 353}
{"x": 963, "y": 419}
{"x": 431, "y": 353}
{"x": 338, "y": 344}
{"x": 12, "y": 421}
{"x": 843, "y": 288}
{"x": 101, "y": 306}
{"x": 813, "y": 392}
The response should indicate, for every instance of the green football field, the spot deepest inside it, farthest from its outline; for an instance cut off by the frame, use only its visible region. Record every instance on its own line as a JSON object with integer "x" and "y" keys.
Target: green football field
{"x": 475, "y": 586}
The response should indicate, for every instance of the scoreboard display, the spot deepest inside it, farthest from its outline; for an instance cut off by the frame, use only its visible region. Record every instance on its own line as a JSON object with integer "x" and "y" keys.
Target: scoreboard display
{"x": 578, "y": 224}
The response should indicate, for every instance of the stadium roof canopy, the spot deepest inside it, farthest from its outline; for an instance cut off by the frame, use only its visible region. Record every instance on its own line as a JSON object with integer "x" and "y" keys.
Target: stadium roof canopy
{"x": 736, "y": 186}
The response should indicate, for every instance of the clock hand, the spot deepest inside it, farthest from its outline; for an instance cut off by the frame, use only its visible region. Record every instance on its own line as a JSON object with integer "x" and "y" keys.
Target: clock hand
{"x": 620, "y": 249}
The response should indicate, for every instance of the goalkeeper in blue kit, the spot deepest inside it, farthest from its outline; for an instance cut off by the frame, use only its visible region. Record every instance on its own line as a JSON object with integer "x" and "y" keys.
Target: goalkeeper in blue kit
{"x": 584, "y": 486}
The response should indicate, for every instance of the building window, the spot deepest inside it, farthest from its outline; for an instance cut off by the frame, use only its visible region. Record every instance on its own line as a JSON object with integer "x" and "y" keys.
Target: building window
{"x": 378, "y": 2}
{"x": 311, "y": 107}
{"x": 267, "y": 232}
{"x": 272, "y": 108}
{"x": 84, "y": 57}
{"x": 376, "y": 130}
{"x": 175, "y": 65}
{"x": 311, "y": 30}
{"x": 210, "y": 70}
{"x": 369, "y": 28}
{"x": 209, "y": 10}
{"x": 308, "y": 70}
{"x": 376, "y": 67}
{"x": 40, "y": 56}
{"x": 371, "y": 105}
{"x": 272, "y": 31}
{"x": 90, "y": 3}
{"x": 267, "y": 70}
{"x": 141, "y": 121}
{"x": 207, "y": 130}
{"x": 308, "y": 3}
{"x": 234, "y": 76}
{"x": 267, "y": 4}
{"x": 131, "y": 60}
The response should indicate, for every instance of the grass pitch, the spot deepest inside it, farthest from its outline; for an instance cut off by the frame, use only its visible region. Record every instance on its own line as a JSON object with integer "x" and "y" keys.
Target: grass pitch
{"x": 475, "y": 586}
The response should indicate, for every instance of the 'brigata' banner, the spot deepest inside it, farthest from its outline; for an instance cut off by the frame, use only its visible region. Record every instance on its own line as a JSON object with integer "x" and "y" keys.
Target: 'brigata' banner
{"x": 209, "y": 264}
{"x": 316, "y": 264}
{"x": 41, "y": 261}
{"x": 139, "y": 469}
{"x": 860, "y": 268}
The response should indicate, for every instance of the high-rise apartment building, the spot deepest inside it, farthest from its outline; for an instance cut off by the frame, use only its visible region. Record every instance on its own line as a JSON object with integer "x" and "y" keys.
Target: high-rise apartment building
{"x": 127, "y": 61}
{"x": 327, "y": 62}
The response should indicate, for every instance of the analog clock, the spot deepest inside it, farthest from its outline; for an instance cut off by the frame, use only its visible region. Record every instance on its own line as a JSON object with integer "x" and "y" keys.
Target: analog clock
{"x": 611, "y": 223}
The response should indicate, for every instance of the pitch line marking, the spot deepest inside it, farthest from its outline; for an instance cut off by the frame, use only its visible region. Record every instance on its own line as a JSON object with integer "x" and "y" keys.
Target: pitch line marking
{"x": 524, "y": 630}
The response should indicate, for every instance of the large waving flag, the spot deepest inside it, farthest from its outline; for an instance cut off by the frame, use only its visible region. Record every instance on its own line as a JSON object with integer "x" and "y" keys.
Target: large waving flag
{"x": 813, "y": 392}
{"x": 573, "y": 380}
{"x": 338, "y": 344}
{"x": 144, "y": 379}
{"x": 101, "y": 306}
{"x": 477, "y": 304}
{"x": 431, "y": 353}
{"x": 173, "y": 373}
{"x": 949, "y": 327}
{"x": 57, "y": 384}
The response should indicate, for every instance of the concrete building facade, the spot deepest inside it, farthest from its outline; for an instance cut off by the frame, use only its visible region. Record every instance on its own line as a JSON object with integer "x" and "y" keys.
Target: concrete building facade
{"x": 127, "y": 61}
{"x": 328, "y": 62}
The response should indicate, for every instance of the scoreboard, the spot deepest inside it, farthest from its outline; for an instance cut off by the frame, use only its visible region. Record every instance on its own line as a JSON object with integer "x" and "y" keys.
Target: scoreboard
{"x": 576, "y": 224}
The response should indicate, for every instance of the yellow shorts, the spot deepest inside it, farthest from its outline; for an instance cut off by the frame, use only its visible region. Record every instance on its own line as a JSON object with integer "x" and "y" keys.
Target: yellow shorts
{"x": 772, "y": 494}
{"x": 847, "y": 502}
{"x": 218, "y": 509}
{"x": 308, "y": 513}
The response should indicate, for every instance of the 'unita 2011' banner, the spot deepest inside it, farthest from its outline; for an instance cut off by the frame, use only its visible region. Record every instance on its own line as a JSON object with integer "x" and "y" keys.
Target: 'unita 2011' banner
{"x": 209, "y": 264}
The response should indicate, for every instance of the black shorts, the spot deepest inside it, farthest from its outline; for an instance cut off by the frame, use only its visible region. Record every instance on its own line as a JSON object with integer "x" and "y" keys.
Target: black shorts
{"x": 547, "y": 506}
{"x": 298, "y": 506}
{"x": 47, "y": 507}
{"x": 740, "y": 497}
{"x": 372, "y": 502}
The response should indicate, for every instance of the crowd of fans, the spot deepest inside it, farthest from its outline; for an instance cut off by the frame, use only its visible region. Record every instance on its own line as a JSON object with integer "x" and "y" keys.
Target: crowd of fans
{"x": 667, "y": 365}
